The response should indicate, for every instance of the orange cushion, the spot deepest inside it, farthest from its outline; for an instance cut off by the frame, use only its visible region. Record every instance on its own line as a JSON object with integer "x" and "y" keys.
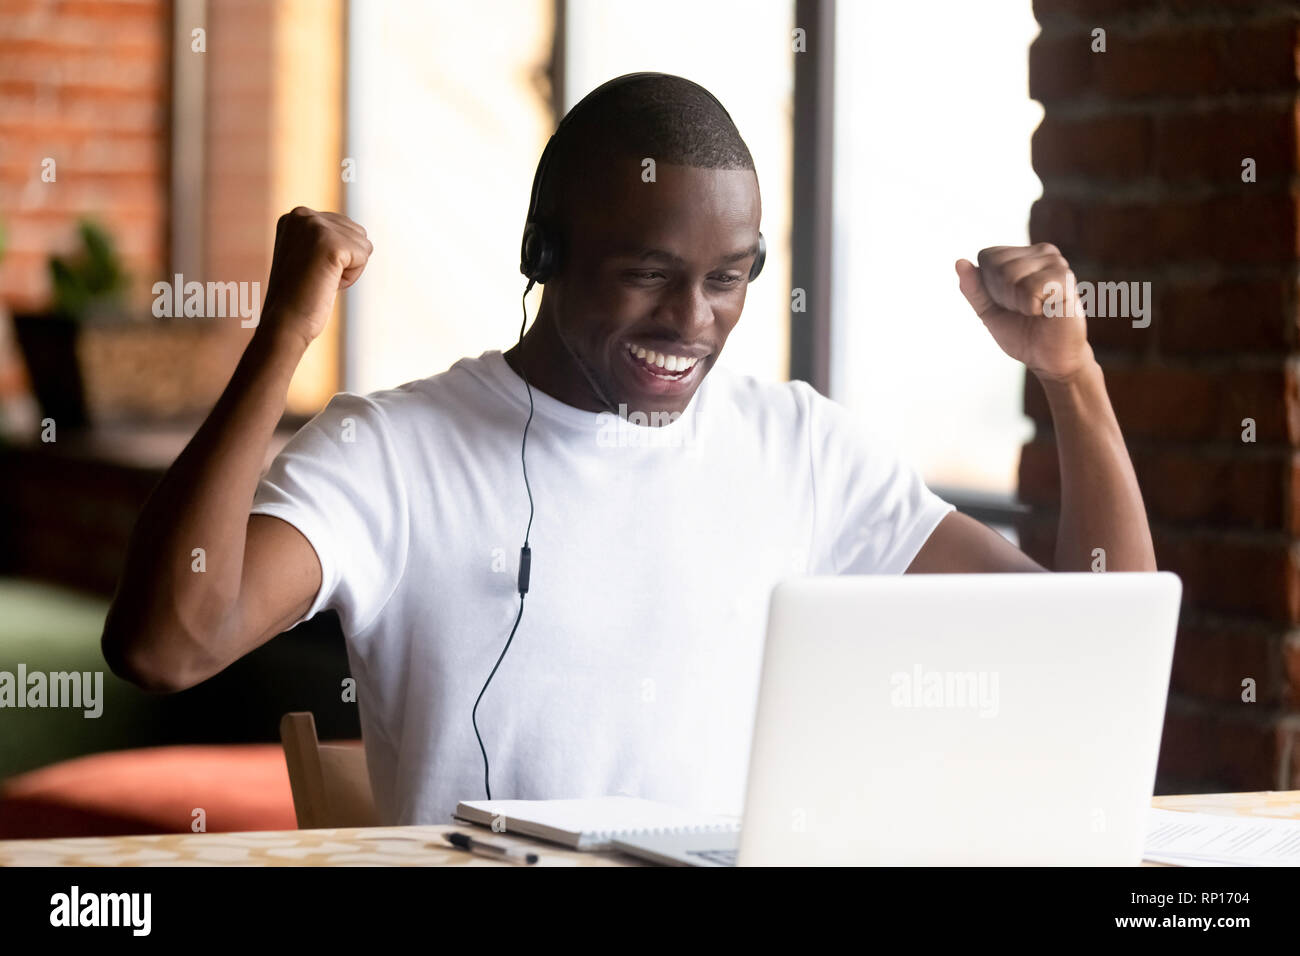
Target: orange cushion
{"x": 151, "y": 790}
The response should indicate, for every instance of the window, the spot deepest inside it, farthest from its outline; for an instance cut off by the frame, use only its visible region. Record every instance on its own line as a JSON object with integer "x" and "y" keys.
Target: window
{"x": 448, "y": 111}
{"x": 932, "y": 163}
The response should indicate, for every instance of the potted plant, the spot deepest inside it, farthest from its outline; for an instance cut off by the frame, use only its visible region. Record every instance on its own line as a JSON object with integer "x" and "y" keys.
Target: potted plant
{"x": 88, "y": 286}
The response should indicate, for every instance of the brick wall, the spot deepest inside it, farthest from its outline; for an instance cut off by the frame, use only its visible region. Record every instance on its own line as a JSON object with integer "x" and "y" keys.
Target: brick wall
{"x": 88, "y": 83}
{"x": 85, "y": 84}
{"x": 1140, "y": 152}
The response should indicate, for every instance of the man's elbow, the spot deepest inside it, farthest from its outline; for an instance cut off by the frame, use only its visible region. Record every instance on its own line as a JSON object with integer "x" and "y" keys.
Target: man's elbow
{"x": 145, "y": 667}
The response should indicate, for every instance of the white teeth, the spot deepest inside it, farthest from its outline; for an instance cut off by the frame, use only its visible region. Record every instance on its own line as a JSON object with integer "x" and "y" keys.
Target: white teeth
{"x": 669, "y": 363}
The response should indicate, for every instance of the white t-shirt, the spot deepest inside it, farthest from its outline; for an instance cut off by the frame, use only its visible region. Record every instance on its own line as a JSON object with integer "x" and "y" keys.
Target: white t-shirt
{"x": 654, "y": 550}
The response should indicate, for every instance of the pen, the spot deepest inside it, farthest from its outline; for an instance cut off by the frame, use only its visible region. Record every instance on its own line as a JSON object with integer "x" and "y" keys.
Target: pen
{"x": 463, "y": 841}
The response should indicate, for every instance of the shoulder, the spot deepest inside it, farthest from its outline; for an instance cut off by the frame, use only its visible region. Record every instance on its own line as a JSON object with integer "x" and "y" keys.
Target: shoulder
{"x": 459, "y": 391}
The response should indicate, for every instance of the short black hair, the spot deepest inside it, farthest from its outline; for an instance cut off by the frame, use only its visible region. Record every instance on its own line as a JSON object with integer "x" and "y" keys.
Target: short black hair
{"x": 667, "y": 118}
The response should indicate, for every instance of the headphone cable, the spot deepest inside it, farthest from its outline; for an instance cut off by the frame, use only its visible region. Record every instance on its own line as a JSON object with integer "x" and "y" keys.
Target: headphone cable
{"x": 525, "y": 553}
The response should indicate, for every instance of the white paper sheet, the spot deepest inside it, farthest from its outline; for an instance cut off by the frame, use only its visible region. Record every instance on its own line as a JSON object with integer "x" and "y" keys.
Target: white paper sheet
{"x": 1206, "y": 839}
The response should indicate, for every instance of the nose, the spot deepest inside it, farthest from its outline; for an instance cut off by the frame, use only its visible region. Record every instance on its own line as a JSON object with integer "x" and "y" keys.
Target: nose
{"x": 688, "y": 310}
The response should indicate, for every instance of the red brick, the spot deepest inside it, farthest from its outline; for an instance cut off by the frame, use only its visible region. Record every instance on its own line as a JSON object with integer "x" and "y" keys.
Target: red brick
{"x": 102, "y": 69}
{"x": 1212, "y": 660}
{"x": 113, "y": 14}
{"x": 1037, "y": 535}
{"x": 19, "y": 36}
{"x": 1288, "y": 754}
{"x": 1039, "y": 473}
{"x": 1184, "y": 485}
{"x": 1291, "y": 668}
{"x": 1253, "y": 226}
{"x": 1168, "y": 147}
{"x": 1195, "y": 61}
{"x": 112, "y": 111}
{"x": 1250, "y": 575}
{"x": 1210, "y": 146}
{"x": 1223, "y": 315}
{"x": 1106, "y": 147}
{"x": 1215, "y": 487}
{"x": 1238, "y": 748}
{"x": 1188, "y": 402}
{"x": 1047, "y": 10}
{"x": 1211, "y": 315}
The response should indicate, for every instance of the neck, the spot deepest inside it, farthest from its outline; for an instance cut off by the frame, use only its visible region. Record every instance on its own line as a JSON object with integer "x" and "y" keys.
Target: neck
{"x": 545, "y": 360}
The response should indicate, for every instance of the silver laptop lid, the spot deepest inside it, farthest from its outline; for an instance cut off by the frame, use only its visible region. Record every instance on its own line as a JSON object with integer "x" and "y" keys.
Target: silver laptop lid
{"x": 959, "y": 719}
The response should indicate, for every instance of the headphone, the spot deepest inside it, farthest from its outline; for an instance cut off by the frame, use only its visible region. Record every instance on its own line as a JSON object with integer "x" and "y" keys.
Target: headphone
{"x": 539, "y": 259}
{"x": 539, "y": 253}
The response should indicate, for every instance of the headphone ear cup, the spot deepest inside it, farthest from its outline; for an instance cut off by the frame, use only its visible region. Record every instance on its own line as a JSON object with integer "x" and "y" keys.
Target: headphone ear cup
{"x": 537, "y": 257}
{"x": 547, "y": 258}
{"x": 759, "y": 259}
{"x": 528, "y": 252}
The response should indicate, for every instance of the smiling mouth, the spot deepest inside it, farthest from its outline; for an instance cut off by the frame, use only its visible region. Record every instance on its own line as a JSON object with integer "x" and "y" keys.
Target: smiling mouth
{"x": 663, "y": 365}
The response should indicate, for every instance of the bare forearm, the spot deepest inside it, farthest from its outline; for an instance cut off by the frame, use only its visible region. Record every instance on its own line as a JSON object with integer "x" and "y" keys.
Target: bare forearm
{"x": 164, "y": 603}
{"x": 1101, "y": 504}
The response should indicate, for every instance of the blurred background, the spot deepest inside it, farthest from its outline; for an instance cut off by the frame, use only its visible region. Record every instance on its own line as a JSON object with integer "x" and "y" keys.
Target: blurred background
{"x": 147, "y": 141}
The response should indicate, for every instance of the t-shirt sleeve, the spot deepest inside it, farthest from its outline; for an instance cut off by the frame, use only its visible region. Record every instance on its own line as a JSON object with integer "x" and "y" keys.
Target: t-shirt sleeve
{"x": 873, "y": 511}
{"x": 339, "y": 482}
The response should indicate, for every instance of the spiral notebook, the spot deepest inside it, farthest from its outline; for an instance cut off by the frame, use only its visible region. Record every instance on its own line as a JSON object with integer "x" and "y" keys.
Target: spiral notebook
{"x": 592, "y": 823}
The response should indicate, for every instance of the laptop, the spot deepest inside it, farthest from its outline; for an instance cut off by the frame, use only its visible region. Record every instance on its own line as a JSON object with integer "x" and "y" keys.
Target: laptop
{"x": 961, "y": 719}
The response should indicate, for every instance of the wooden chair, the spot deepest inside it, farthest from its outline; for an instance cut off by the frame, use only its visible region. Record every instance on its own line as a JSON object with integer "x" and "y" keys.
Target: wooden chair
{"x": 330, "y": 783}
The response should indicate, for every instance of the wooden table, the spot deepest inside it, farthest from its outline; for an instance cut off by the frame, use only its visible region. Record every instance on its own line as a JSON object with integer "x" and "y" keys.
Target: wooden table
{"x": 422, "y": 845}
{"x": 362, "y": 846}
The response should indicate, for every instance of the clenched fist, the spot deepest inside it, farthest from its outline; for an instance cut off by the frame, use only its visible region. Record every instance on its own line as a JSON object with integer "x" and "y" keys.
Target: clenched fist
{"x": 316, "y": 255}
{"x": 1007, "y": 292}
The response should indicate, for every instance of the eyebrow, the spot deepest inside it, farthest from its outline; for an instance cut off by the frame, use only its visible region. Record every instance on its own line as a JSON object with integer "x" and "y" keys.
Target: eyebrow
{"x": 641, "y": 253}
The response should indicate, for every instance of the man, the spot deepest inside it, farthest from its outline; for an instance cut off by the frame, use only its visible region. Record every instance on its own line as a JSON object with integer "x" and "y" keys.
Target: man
{"x": 654, "y": 546}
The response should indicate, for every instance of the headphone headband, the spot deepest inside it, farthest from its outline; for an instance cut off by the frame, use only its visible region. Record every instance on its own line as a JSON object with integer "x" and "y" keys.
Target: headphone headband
{"x": 539, "y": 255}
{"x": 568, "y": 118}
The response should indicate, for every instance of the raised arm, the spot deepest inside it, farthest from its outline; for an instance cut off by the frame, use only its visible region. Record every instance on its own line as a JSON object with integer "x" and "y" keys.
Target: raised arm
{"x": 171, "y": 625}
{"x": 1101, "y": 505}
